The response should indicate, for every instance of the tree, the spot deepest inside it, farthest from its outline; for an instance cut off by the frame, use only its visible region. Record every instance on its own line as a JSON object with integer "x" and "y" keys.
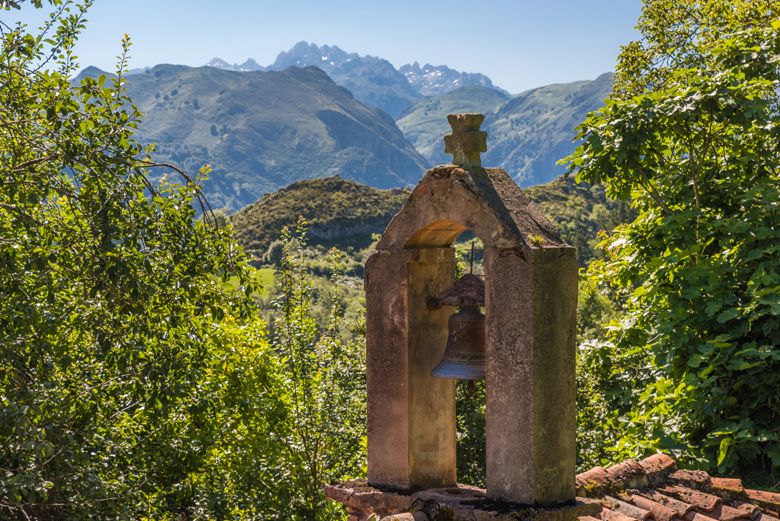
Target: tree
{"x": 120, "y": 342}
{"x": 325, "y": 383}
{"x": 690, "y": 135}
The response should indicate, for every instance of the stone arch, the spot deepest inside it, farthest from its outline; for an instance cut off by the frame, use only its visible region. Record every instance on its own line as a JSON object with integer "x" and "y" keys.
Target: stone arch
{"x": 486, "y": 201}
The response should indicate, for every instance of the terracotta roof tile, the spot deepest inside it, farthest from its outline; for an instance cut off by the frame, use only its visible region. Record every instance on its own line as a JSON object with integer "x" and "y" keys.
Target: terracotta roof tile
{"x": 612, "y": 515}
{"x": 659, "y": 511}
{"x": 658, "y": 464}
{"x": 696, "y": 516}
{"x": 594, "y": 478}
{"x": 625, "y": 508}
{"x": 769, "y": 500}
{"x": 727, "y": 513}
{"x": 679, "y": 508}
{"x": 691, "y": 478}
{"x": 653, "y": 489}
{"x": 629, "y": 473}
{"x": 700, "y": 500}
{"x": 750, "y": 509}
{"x": 727, "y": 487}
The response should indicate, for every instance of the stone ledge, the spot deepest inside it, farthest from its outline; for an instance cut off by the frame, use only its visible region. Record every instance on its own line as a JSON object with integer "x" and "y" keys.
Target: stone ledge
{"x": 460, "y": 503}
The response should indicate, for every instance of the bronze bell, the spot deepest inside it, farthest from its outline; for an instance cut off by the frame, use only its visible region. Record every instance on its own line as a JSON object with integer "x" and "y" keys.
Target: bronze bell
{"x": 464, "y": 356}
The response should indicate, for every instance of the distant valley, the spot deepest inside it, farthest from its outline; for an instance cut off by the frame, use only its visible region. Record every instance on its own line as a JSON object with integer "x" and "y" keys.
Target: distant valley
{"x": 264, "y": 127}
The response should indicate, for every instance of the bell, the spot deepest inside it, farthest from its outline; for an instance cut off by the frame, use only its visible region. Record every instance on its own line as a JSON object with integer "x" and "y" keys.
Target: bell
{"x": 464, "y": 356}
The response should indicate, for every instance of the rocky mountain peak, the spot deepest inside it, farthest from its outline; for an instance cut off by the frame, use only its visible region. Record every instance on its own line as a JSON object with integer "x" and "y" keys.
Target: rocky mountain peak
{"x": 371, "y": 79}
{"x": 219, "y": 63}
{"x": 248, "y": 66}
{"x": 431, "y": 80}
{"x": 304, "y": 54}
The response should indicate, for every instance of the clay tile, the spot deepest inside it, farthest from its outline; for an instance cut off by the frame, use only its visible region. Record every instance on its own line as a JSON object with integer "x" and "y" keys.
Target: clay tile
{"x": 700, "y": 500}
{"x": 696, "y": 516}
{"x": 337, "y": 493}
{"x": 591, "y": 481}
{"x": 612, "y": 515}
{"x": 727, "y": 486}
{"x": 765, "y": 499}
{"x": 625, "y": 508}
{"x": 588, "y": 518}
{"x": 691, "y": 478}
{"x": 728, "y": 513}
{"x": 679, "y": 508}
{"x": 628, "y": 474}
{"x": 766, "y": 517}
{"x": 659, "y": 511}
{"x": 750, "y": 509}
{"x": 658, "y": 464}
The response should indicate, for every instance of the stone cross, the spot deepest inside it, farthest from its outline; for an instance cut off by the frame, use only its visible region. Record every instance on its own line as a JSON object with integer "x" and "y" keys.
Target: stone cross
{"x": 466, "y": 141}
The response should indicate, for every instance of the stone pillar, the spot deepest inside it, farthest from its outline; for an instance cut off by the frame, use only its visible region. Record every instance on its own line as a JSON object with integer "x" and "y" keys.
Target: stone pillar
{"x": 411, "y": 415}
{"x": 431, "y": 400}
{"x": 387, "y": 388}
{"x": 531, "y": 335}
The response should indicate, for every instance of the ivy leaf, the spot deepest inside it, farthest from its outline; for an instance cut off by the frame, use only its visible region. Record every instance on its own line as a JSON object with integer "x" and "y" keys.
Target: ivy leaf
{"x": 723, "y": 449}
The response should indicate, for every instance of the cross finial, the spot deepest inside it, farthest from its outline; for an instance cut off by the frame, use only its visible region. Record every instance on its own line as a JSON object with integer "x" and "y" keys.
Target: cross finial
{"x": 466, "y": 141}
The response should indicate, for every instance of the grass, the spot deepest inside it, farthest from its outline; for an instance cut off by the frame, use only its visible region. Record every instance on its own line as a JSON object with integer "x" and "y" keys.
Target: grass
{"x": 264, "y": 278}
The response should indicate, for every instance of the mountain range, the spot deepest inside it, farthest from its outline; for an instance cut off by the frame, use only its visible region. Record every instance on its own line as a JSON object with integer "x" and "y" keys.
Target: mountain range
{"x": 527, "y": 133}
{"x": 262, "y": 128}
{"x": 374, "y": 81}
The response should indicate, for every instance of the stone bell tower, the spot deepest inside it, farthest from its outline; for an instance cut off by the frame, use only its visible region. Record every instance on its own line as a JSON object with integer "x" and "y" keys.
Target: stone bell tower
{"x": 530, "y": 325}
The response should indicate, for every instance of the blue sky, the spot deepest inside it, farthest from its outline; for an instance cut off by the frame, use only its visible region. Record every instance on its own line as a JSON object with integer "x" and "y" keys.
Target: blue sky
{"x": 519, "y": 44}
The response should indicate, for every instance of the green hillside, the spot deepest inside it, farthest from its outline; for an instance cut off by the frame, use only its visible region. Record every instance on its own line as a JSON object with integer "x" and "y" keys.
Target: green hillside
{"x": 339, "y": 212}
{"x": 425, "y": 123}
{"x": 527, "y": 133}
{"x": 533, "y": 130}
{"x": 579, "y": 211}
{"x": 264, "y": 130}
{"x": 345, "y": 214}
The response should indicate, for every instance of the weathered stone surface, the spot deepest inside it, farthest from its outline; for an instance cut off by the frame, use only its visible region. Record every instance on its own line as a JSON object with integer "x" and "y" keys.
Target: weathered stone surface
{"x": 458, "y": 503}
{"x": 450, "y": 200}
{"x": 530, "y": 301}
{"x": 466, "y": 141}
{"x": 432, "y": 443}
{"x": 387, "y": 369}
{"x": 407, "y": 516}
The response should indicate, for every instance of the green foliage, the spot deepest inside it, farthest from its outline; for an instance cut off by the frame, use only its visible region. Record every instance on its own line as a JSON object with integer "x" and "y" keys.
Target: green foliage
{"x": 275, "y": 253}
{"x": 118, "y": 334}
{"x": 325, "y": 381}
{"x": 470, "y": 430}
{"x": 339, "y": 212}
{"x": 136, "y": 380}
{"x": 690, "y": 134}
